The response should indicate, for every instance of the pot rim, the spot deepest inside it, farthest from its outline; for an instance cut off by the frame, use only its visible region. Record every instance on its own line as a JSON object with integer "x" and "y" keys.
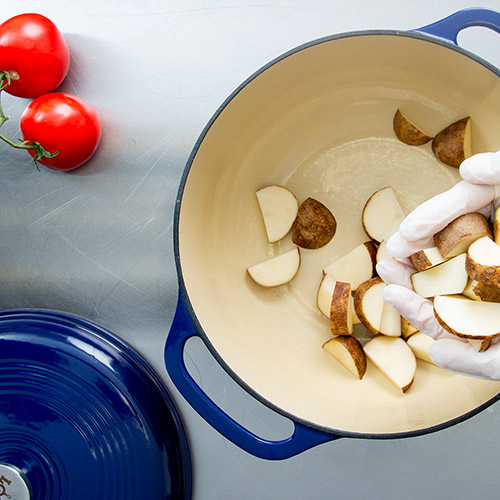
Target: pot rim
{"x": 182, "y": 286}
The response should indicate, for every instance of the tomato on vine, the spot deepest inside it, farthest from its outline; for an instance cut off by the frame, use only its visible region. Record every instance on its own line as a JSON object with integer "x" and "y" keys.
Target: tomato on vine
{"x": 67, "y": 127}
{"x": 34, "y": 57}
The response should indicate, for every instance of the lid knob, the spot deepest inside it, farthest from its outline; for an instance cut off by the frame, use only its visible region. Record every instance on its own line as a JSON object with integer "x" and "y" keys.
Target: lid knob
{"x": 13, "y": 484}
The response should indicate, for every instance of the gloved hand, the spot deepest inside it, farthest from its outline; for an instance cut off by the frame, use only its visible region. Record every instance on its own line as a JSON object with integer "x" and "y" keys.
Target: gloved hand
{"x": 478, "y": 192}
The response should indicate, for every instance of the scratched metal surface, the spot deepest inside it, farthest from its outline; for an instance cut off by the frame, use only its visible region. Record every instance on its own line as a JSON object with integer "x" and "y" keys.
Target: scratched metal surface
{"x": 98, "y": 242}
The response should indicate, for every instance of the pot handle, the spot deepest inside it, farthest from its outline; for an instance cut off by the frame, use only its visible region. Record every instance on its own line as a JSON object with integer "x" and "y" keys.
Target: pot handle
{"x": 450, "y": 26}
{"x": 302, "y": 439}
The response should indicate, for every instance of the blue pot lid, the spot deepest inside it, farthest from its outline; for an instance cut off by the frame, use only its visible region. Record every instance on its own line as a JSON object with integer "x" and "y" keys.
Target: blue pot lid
{"x": 82, "y": 416}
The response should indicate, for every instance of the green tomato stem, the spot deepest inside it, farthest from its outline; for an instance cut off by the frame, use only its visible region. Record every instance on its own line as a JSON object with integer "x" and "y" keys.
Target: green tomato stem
{"x": 40, "y": 151}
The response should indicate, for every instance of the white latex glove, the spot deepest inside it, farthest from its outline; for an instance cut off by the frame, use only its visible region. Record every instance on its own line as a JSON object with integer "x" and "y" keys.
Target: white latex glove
{"x": 479, "y": 191}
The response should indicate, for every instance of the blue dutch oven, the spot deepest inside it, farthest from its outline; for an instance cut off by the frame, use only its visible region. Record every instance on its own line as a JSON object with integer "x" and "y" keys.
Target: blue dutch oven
{"x": 318, "y": 120}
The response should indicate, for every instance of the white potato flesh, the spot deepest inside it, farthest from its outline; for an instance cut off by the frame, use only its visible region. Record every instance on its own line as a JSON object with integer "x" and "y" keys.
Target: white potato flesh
{"x": 325, "y": 293}
{"x": 393, "y": 357}
{"x": 382, "y": 214}
{"x": 373, "y": 304}
{"x": 390, "y": 322}
{"x": 446, "y": 278}
{"x": 468, "y": 318}
{"x": 485, "y": 251}
{"x": 420, "y": 343}
{"x": 354, "y": 267}
{"x": 279, "y": 209}
{"x": 342, "y": 354}
{"x": 382, "y": 253}
{"x": 277, "y": 270}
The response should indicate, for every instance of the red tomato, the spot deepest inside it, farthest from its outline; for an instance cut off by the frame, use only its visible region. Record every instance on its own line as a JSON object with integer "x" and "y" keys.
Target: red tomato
{"x": 65, "y": 123}
{"x": 33, "y": 48}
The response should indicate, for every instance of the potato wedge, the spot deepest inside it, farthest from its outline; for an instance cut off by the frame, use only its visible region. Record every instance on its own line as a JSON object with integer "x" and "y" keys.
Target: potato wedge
{"x": 341, "y": 309}
{"x": 446, "y": 278}
{"x": 409, "y": 133}
{"x": 368, "y": 304}
{"x": 382, "y": 215}
{"x": 420, "y": 343}
{"x": 453, "y": 144}
{"x": 314, "y": 225}
{"x": 407, "y": 328}
{"x": 279, "y": 208}
{"x": 348, "y": 351}
{"x": 394, "y": 358}
{"x": 356, "y": 266}
{"x": 277, "y": 270}
{"x": 468, "y": 319}
{"x": 428, "y": 257}
{"x": 460, "y": 233}
{"x": 483, "y": 261}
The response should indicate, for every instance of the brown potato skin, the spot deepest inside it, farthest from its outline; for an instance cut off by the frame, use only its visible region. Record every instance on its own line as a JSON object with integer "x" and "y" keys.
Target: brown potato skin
{"x": 407, "y": 328}
{"x": 448, "y": 145}
{"x": 460, "y": 228}
{"x": 314, "y": 226}
{"x": 406, "y": 131}
{"x": 358, "y": 300}
{"x": 420, "y": 261}
{"x": 487, "y": 292}
{"x": 339, "y": 309}
{"x": 353, "y": 345}
{"x": 489, "y": 275}
{"x": 449, "y": 329}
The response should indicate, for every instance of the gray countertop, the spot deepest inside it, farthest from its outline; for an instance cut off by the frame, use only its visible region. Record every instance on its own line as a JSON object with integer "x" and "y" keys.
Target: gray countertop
{"x": 97, "y": 242}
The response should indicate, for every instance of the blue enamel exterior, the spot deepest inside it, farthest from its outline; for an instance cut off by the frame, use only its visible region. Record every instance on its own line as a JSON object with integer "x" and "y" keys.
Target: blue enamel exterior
{"x": 306, "y": 434}
{"x": 83, "y": 416}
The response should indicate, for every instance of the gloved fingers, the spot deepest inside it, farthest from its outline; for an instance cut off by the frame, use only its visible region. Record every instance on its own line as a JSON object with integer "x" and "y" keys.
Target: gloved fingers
{"x": 463, "y": 358}
{"x": 434, "y": 214}
{"x": 417, "y": 310}
{"x": 399, "y": 247}
{"x": 395, "y": 272}
{"x": 481, "y": 168}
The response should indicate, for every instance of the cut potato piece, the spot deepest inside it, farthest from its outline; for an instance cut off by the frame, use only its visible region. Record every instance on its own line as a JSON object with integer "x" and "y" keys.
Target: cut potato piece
{"x": 390, "y": 322}
{"x": 406, "y": 131}
{"x": 325, "y": 293}
{"x": 382, "y": 253}
{"x": 314, "y": 225}
{"x": 277, "y": 270}
{"x": 324, "y": 298}
{"x": 453, "y": 144}
{"x": 349, "y": 353}
{"x": 356, "y": 266}
{"x": 460, "y": 233}
{"x": 341, "y": 309}
{"x": 393, "y": 357}
{"x": 480, "y": 345}
{"x": 420, "y": 344}
{"x": 368, "y": 304}
{"x": 428, "y": 257}
{"x": 482, "y": 291}
{"x": 279, "y": 209}
{"x": 382, "y": 215}
{"x": 469, "y": 319}
{"x": 407, "y": 328}
{"x": 483, "y": 261}
{"x": 496, "y": 226}
{"x": 444, "y": 279}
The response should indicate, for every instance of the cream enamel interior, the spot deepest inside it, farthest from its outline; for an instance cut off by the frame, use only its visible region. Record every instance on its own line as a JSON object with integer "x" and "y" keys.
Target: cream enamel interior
{"x": 319, "y": 122}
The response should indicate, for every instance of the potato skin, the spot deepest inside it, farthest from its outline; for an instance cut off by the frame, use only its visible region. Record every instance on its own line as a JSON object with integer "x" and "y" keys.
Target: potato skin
{"x": 487, "y": 292}
{"x": 420, "y": 261}
{"x": 358, "y": 302}
{"x": 314, "y": 226}
{"x": 406, "y": 131}
{"x": 460, "y": 228}
{"x": 339, "y": 309}
{"x": 489, "y": 275}
{"x": 355, "y": 348}
{"x": 448, "y": 145}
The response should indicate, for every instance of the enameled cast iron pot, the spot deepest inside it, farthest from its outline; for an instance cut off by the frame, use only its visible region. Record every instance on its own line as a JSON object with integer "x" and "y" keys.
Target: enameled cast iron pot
{"x": 319, "y": 120}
